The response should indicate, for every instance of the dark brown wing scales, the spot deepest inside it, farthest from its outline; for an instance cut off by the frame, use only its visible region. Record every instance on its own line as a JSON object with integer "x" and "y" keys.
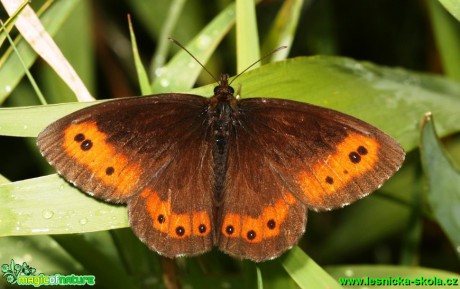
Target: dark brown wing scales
{"x": 135, "y": 151}
{"x": 327, "y": 159}
{"x": 260, "y": 217}
{"x": 106, "y": 149}
{"x": 177, "y": 219}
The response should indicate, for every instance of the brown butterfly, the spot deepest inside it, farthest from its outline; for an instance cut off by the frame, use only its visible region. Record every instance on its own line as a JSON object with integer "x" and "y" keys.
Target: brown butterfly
{"x": 199, "y": 172}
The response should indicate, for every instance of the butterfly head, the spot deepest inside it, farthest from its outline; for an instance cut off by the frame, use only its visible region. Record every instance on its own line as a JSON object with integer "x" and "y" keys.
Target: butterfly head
{"x": 223, "y": 90}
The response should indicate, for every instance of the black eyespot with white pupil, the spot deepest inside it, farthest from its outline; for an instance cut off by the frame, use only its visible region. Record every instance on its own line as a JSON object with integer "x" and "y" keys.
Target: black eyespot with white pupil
{"x": 229, "y": 230}
{"x": 180, "y": 231}
{"x": 86, "y": 145}
{"x": 355, "y": 156}
{"x": 251, "y": 235}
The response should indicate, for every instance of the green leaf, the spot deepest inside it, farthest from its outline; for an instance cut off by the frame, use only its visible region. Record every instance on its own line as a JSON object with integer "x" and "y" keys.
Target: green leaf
{"x": 443, "y": 182}
{"x": 247, "y": 38}
{"x": 172, "y": 17}
{"x": 142, "y": 77}
{"x": 34, "y": 119}
{"x": 50, "y": 205}
{"x": 453, "y": 6}
{"x": 9, "y": 23}
{"x": 96, "y": 262}
{"x": 52, "y": 20}
{"x": 283, "y": 29}
{"x": 305, "y": 272}
{"x": 447, "y": 35}
{"x": 182, "y": 71}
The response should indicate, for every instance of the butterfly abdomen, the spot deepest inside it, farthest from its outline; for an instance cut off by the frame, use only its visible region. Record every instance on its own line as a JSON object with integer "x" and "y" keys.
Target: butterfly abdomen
{"x": 221, "y": 120}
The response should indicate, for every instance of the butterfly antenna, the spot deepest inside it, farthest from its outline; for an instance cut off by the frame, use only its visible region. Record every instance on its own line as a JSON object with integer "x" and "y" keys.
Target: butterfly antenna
{"x": 186, "y": 50}
{"x": 260, "y": 59}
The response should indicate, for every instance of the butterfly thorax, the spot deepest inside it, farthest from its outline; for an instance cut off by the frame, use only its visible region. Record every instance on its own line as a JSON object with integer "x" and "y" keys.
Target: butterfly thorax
{"x": 222, "y": 114}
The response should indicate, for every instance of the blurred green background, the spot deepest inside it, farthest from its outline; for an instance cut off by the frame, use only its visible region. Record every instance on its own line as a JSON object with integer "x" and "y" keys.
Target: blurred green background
{"x": 414, "y": 44}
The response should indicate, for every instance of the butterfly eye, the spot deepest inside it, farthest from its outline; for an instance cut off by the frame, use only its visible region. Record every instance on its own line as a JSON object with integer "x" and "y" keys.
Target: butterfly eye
{"x": 216, "y": 89}
{"x": 231, "y": 90}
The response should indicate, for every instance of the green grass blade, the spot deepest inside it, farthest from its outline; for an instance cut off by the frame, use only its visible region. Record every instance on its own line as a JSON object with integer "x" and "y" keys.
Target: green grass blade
{"x": 453, "y": 6}
{"x": 9, "y": 23}
{"x": 247, "y": 37}
{"x": 26, "y": 70}
{"x": 142, "y": 77}
{"x": 96, "y": 262}
{"x": 10, "y": 75}
{"x": 443, "y": 182}
{"x": 283, "y": 29}
{"x": 305, "y": 272}
{"x": 182, "y": 71}
{"x": 50, "y": 205}
{"x": 34, "y": 119}
{"x": 33, "y": 31}
{"x": 173, "y": 15}
{"x": 447, "y": 35}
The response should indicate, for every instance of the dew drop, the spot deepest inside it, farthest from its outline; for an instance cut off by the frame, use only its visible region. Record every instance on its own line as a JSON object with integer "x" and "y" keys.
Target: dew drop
{"x": 204, "y": 41}
{"x": 27, "y": 258}
{"x": 47, "y": 214}
{"x": 100, "y": 212}
{"x": 39, "y": 230}
{"x": 349, "y": 272}
{"x": 83, "y": 221}
{"x": 8, "y": 88}
{"x": 25, "y": 126}
{"x": 164, "y": 82}
{"x": 159, "y": 71}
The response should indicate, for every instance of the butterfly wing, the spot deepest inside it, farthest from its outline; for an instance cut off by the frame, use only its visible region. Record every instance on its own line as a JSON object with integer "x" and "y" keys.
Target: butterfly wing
{"x": 285, "y": 156}
{"x": 152, "y": 153}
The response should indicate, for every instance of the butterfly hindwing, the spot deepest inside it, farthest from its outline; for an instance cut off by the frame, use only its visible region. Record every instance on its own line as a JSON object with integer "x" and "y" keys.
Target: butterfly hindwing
{"x": 260, "y": 217}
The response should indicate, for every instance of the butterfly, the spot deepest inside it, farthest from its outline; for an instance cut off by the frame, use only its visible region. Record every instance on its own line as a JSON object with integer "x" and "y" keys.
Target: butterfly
{"x": 239, "y": 174}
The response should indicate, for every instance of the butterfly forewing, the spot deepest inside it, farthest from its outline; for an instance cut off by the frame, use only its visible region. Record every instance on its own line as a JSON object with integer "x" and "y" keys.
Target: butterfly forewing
{"x": 153, "y": 153}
